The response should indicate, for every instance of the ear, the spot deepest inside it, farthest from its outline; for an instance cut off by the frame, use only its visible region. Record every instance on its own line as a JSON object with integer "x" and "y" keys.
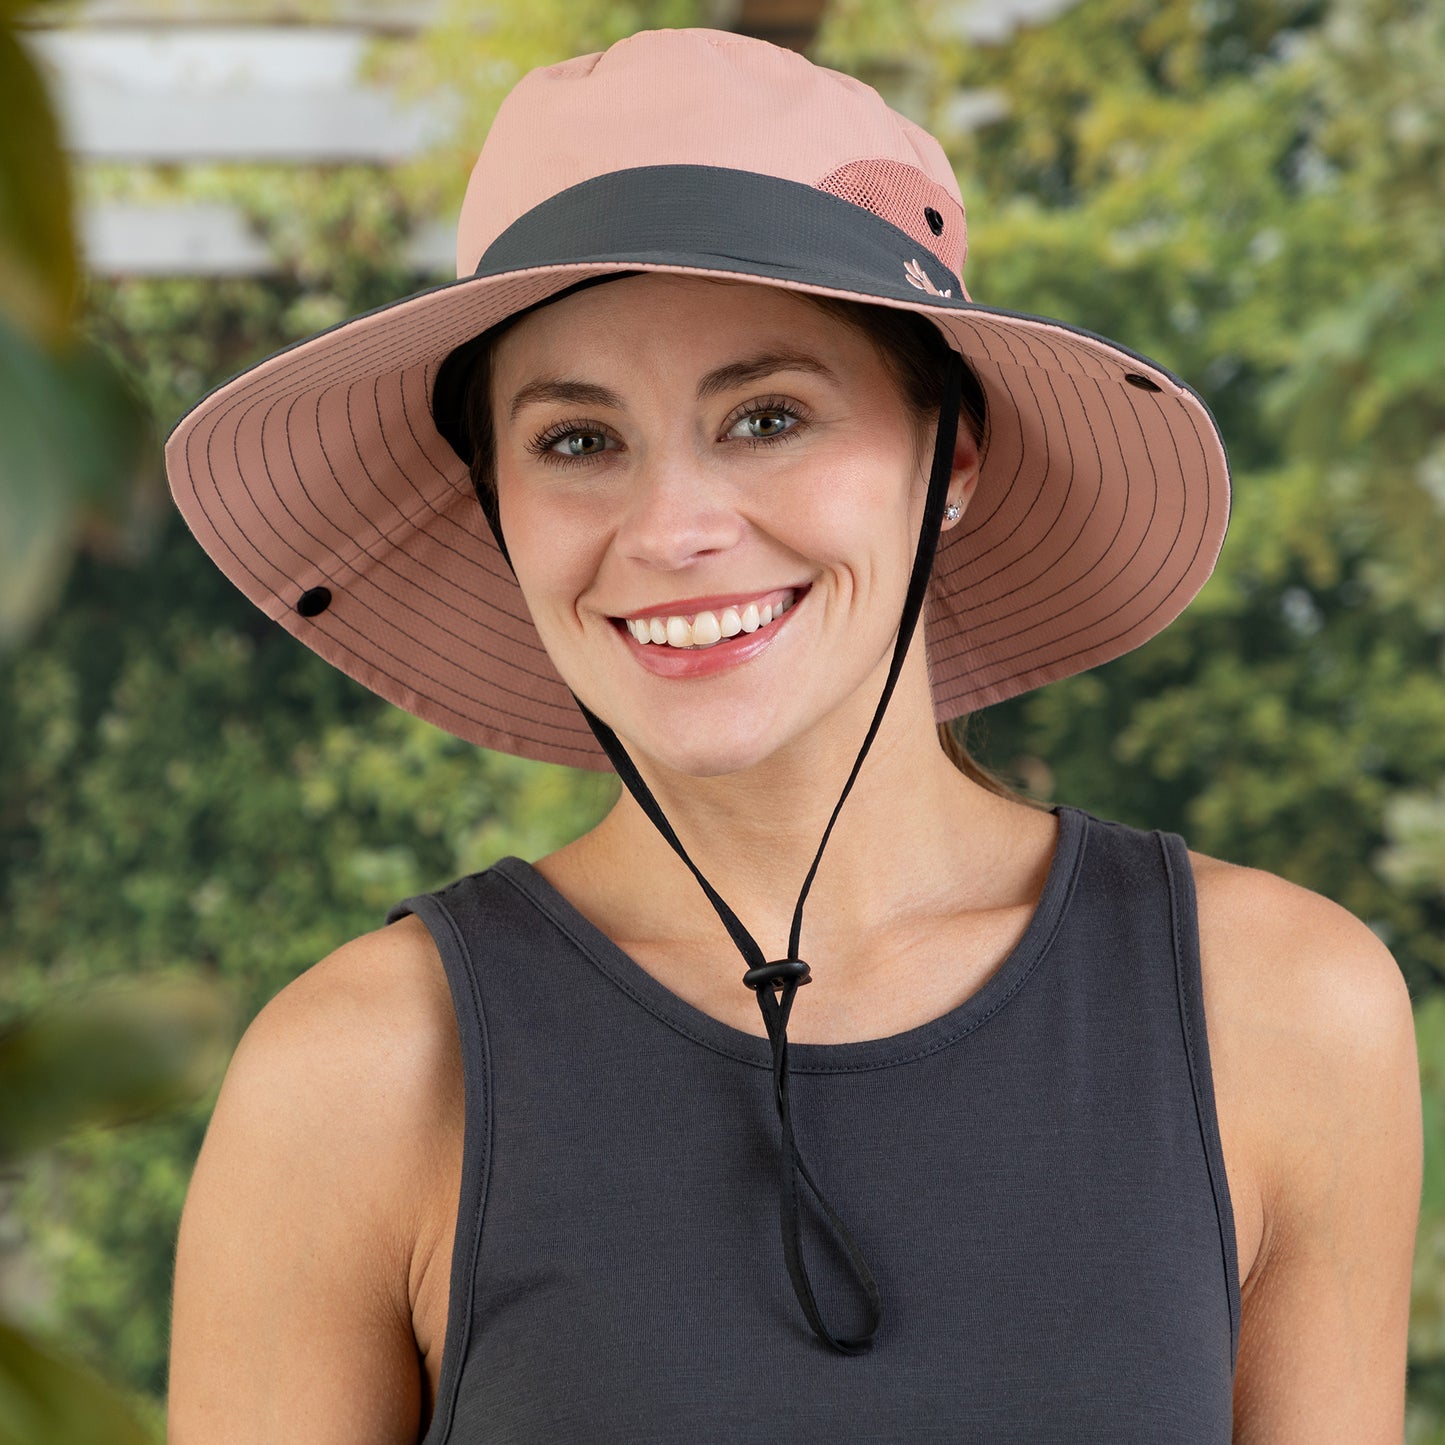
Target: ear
{"x": 964, "y": 477}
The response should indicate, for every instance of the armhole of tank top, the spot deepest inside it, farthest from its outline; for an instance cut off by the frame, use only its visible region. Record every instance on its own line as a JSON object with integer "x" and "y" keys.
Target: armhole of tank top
{"x": 476, "y": 1150}
{"x": 1189, "y": 975}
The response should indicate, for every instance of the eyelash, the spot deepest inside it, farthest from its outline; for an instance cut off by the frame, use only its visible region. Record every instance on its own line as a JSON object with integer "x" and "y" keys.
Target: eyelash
{"x": 541, "y": 446}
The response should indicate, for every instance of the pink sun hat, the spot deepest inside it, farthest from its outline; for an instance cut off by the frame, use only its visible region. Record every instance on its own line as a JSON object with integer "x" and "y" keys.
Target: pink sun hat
{"x": 323, "y": 483}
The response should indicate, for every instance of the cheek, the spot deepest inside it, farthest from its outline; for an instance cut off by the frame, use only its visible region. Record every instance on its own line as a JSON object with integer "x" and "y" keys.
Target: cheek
{"x": 865, "y": 502}
{"x": 555, "y": 556}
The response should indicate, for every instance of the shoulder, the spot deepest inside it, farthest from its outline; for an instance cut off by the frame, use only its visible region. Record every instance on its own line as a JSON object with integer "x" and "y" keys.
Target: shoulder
{"x": 360, "y": 1050}
{"x": 372, "y": 1022}
{"x": 379, "y": 1000}
{"x": 304, "y": 1238}
{"x": 1312, "y": 1026}
{"x": 1314, "y": 976}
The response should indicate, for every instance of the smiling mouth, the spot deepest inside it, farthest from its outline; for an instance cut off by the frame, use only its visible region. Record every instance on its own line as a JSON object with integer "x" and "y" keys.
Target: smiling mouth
{"x": 700, "y": 631}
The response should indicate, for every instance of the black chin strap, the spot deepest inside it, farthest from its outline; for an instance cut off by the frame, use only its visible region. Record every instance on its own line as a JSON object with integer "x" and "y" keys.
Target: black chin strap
{"x": 776, "y": 983}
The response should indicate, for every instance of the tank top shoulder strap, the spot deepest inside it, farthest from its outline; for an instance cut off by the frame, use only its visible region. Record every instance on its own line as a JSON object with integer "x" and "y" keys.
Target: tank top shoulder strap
{"x": 1184, "y": 913}
{"x": 1136, "y": 905}
{"x": 456, "y": 916}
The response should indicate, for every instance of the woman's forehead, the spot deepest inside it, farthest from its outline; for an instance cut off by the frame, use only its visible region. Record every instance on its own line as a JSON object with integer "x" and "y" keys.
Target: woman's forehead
{"x": 699, "y": 321}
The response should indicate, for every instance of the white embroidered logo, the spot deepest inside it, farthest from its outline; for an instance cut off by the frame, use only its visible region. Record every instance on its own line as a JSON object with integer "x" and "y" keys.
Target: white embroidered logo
{"x": 918, "y": 277}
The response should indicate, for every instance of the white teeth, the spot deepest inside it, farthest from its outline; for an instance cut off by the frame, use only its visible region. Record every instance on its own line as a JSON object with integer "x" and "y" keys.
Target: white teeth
{"x": 707, "y": 628}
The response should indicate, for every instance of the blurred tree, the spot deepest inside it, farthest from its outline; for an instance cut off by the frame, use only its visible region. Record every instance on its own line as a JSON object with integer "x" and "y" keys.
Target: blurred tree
{"x": 71, "y": 434}
{"x": 101, "y": 1058}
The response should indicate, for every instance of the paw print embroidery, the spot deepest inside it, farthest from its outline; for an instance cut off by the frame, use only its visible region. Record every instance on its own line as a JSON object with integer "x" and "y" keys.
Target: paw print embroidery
{"x": 918, "y": 277}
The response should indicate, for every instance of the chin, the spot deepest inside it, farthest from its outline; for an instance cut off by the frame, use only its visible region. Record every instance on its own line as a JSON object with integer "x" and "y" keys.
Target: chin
{"x": 702, "y": 761}
{"x": 713, "y": 745}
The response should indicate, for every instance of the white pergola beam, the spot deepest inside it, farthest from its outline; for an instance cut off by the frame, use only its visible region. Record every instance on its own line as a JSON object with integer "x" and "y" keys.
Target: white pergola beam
{"x": 240, "y": 94}
{"x": 213, "y": 239}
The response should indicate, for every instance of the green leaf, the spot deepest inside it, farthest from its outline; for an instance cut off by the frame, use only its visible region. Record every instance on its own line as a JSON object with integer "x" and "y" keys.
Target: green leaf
{"x": 120, "y": 1053}
{"x": 39, "y": 265}
{"x": 45, "y": 1400}
{"x": 73, "y": 436}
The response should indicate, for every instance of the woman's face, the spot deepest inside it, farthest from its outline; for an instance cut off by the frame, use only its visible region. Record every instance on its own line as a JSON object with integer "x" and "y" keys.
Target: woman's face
{"x": 670, "y": 447}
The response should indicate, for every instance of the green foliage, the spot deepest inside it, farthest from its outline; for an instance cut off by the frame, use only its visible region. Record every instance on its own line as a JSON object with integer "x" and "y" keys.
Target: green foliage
{"x": 1426, "y": 1422}
{"x": 71, "y": 435}
{"x": 43, "y": 1398}
{"x": 108, "y": 1057}
{"x": 100, "y": 1058}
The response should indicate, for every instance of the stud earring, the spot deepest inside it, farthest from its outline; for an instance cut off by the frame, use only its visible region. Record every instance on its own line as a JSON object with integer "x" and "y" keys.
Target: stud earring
{"x": 952, "y": 512}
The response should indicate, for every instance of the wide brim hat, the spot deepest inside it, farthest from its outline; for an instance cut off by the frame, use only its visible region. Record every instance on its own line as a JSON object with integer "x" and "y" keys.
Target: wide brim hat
{"x": 320, "y": 482}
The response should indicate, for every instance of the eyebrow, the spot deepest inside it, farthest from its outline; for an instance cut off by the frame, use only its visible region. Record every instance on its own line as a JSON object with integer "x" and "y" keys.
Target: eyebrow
{"x": 721, "y": 378}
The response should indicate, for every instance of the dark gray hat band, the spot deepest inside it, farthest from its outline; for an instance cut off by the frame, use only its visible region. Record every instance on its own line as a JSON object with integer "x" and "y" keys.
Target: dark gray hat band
{"x": 714, "y": 218}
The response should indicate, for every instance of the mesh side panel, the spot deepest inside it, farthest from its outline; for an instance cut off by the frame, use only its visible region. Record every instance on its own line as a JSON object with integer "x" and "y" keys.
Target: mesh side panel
{"x": 901, "y": 194}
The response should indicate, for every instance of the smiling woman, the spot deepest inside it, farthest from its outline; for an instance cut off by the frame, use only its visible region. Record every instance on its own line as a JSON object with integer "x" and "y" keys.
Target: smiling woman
{"x": 707, "y": 469}
{"x": 911, "y": 349}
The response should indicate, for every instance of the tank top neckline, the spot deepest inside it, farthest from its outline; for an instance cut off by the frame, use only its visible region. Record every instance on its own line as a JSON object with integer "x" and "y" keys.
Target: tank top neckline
{"x": 901, "y": 1048}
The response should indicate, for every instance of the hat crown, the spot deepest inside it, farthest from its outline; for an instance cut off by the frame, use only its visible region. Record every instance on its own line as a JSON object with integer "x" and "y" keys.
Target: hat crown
{"x": 708, "y": 98}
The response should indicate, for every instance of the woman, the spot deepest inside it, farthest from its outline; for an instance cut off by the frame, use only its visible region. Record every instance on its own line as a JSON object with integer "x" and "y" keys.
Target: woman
{"x": 1073, "y": 1135}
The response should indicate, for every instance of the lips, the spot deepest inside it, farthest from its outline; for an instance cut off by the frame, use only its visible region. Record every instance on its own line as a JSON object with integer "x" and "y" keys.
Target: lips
{"x": 698, "y": 662}
{"x": 708, "y": 627}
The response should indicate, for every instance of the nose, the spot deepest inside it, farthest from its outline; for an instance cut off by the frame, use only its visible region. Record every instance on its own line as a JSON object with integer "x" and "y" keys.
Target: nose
{"x": 676, "y": 511}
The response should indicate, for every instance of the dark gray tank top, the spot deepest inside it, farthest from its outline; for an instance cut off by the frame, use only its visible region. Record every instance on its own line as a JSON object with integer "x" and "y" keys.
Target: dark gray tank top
{"x": 1035, "y": 1178}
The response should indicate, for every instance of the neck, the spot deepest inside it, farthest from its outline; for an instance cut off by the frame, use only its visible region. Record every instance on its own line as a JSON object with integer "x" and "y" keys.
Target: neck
{"x": 915, "y": 839}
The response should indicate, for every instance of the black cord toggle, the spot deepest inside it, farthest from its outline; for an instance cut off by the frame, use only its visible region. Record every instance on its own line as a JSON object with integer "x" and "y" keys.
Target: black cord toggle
{"x": 778, "y": 974}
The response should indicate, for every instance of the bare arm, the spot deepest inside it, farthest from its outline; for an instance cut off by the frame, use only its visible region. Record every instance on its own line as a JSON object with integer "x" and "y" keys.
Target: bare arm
{"x": 1335, "y": 1094}
{"x": 297, "y": 1257}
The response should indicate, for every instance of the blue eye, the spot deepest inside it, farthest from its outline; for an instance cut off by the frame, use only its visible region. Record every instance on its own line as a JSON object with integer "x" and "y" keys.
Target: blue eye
{"x": 768, "y": 422}
{"x": 580, "y": 444}
{"x": 764, "y": 424}
{"x": 574, "y": 441}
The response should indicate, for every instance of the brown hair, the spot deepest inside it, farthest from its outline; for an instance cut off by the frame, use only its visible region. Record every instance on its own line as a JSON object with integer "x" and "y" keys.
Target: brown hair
{"x": 914, "y": 351}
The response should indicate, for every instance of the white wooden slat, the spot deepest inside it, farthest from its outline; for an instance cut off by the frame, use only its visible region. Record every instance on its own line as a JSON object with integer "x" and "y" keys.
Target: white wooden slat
{"x": 264, "y": 94}
{"x": 211, "y": 239}
{"x": 377, "y": 16}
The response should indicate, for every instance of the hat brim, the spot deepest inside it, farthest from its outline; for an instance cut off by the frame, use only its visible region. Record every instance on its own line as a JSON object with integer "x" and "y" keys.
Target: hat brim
{"x": 1101, "y": 506}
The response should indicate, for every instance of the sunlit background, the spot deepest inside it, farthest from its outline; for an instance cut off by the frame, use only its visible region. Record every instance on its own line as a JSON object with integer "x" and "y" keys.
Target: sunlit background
{"x": 1248, "y": 190}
